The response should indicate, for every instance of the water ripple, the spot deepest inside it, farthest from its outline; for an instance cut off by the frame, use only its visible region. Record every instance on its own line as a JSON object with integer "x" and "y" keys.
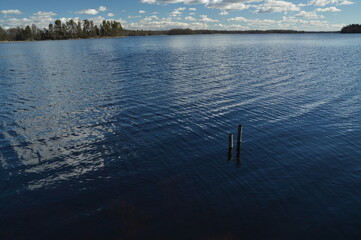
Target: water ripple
{"x": 111, "y": 123}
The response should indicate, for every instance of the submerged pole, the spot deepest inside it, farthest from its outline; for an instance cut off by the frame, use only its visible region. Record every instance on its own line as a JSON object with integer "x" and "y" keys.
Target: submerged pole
{"x": 239, "y": 135}
{"x": 230, "y": 141}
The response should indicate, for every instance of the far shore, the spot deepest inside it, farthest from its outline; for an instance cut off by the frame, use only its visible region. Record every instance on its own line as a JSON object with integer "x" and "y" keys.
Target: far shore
{"x": 61, "y": 39}
{"x": 144, "y": 33}
{"x": 86, "y": 29}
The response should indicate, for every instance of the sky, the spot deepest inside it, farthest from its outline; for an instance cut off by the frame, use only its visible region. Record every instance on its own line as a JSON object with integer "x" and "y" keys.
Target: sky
{"x": 309, "y": 15}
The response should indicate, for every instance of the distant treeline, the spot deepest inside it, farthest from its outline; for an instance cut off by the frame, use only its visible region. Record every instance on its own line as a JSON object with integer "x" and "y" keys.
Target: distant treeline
{"x": 87, "y": 29}
{"x": 187, "y": 31}
{"x": 353, "y": 28}
{"x": 60, "y": 31}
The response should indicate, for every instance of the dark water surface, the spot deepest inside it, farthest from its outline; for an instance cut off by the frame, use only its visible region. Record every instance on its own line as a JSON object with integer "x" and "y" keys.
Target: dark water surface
{"x": 127, "y": 138}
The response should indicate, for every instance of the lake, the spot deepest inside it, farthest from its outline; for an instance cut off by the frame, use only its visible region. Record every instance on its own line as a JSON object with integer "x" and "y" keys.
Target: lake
{"x": 127, "y": 138}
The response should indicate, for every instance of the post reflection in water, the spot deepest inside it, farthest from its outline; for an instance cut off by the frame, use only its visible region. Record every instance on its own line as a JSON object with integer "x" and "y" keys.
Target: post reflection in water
{"x": 238, "y": 162}
{"x": 238, "y": 155}
{"x": 230, "y": 154}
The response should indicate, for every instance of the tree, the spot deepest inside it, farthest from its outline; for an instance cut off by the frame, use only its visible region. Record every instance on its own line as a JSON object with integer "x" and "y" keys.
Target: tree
{"x": 105, "y": 29}
{"x": 51, "y": 31}
{"x": 2, "y": 34}
{"x": 59, "y": 30}
{"x": 86, "y": 28}
{"x": 353, "y": 28}
{"x": 28, "y": 35}
{"x": 79, "y": 30}
{"x": 59, "y": 34}
{"x": 180, "y": 31}
{"x": 36, "y": 32}
{"x": 116, "y": 29}
{"x": 96, "y": 31}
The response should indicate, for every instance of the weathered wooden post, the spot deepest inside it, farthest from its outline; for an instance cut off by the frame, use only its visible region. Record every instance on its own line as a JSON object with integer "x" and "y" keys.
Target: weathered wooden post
{"x": 239, "y": 135}
{"x": 230, "y": 141}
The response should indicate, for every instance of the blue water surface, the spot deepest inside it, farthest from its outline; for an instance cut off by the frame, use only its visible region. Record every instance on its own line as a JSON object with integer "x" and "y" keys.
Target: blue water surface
{"x": 127, "y": 138}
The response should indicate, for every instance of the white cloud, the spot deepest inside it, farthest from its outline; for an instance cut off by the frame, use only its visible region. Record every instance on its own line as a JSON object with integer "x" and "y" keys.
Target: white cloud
{"x": 237, "y": 19}
{"x": 190, "y": 18}
{"x": 346, "y": 2}
{"x": 164, "y": 24}
{"x": 223, "y": 13}
{"x": 265, "y": 6}
{"x": 88, "y": 12}
{"x": 232, "y": 26}
{"x": 218, "y": 4}
{"x": 274, "y": 6}
{"x": 44, "y": 14}
{"x": 97, "y": 20}
{"x": 40, "y": 19}
{"x": 177, "y": 12}
{"x": 205, "y": 18}
{"x": 329, "y": 9}
{"x": 228, "y": 5}
{"x": 14, "y": 11}
{"x": 252, "y": 22}
{"x": 299, "y": 20}
{"x": 311, "y": 25}
{"x": 63, "y": 20}
{"x": 152, "y": 17}
{"x": 322, "y": 3}
{"x": 102, "y": 9}
{"x": 308, "y": 15}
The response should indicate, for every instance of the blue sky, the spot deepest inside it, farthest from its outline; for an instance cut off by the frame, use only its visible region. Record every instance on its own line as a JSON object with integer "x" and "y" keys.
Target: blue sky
{"x": 195, "y": 14}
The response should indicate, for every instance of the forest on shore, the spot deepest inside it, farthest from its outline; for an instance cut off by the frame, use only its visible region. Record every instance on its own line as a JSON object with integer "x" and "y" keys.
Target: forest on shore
{"x": 352, "y": 28}
{"x": 87, "y": 29}
{"x": 63, "y": 30}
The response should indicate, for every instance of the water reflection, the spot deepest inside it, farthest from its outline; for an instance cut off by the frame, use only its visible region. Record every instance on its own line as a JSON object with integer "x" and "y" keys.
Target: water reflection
{"x": 238, "y": 162}
{"x": 115, "y": 117}
{"x": 230, "y": 154}
{"x": 238, "y": 155}
{"x": 61, "y": 120}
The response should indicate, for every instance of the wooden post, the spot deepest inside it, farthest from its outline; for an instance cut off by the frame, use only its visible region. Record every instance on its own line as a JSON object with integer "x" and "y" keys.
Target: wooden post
{"x": 239, "y": 135}
{"x": 230, "y": 141}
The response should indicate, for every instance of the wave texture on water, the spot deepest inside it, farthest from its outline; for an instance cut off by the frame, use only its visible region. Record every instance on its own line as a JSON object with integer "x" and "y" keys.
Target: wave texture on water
{"x": 110, "y": 138}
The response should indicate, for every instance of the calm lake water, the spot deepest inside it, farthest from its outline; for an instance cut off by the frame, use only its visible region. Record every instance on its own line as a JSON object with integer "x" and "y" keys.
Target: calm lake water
{"x": 127, "y": 138}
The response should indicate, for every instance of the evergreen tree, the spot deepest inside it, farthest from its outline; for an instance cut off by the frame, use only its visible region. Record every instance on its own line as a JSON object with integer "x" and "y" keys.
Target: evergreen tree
{"x": 353, "y": 28}
{"x": 28, "y": 35}
{"x": 51, "y": 31}
{"x": 59, "y": 30}
{"x": 2, "y": 34}
{"x": 79, "y": 30}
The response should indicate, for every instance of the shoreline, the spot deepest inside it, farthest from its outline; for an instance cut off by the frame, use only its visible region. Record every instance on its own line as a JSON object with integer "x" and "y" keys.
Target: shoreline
{"x": 60, "y": 39}
{"x": 144, "y": 33}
